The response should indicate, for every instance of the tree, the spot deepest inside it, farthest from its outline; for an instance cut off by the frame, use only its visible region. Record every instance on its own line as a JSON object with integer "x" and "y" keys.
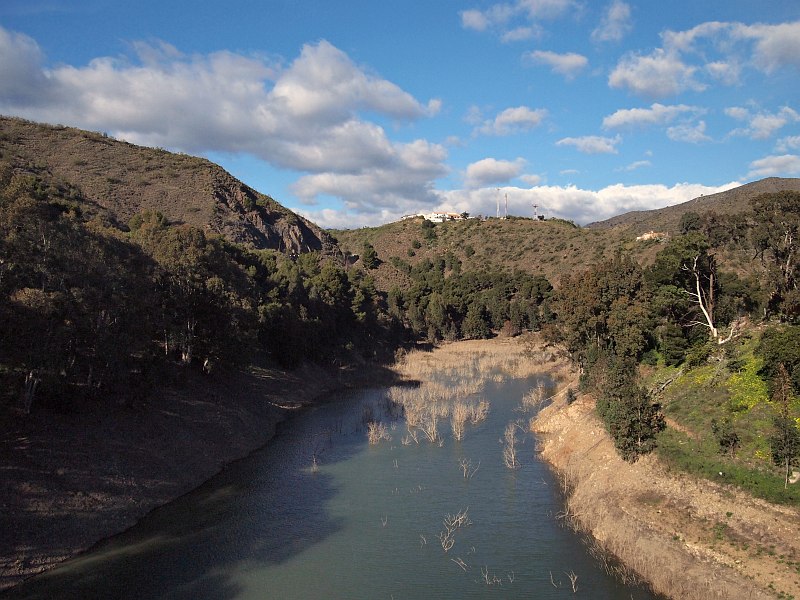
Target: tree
{"x": 476, "y": 323}
{"x": 632, "y": 420}
{"x": 775, "y": 237}
{"x": 369, "y": 257}
{"x": 785, "y": 440}
{"x": 686, "y": 285}
{"x": 690, "y": 221}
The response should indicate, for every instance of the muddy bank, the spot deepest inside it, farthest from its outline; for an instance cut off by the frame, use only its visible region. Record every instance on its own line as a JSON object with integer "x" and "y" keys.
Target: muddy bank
{"x": 71, "y": 480}
{"x": 691, "y": 539}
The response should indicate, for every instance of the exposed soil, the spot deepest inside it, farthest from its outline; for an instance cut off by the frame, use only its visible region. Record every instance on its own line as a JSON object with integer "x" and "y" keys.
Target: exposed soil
{"x": 72, "y": 480}
{"x": 689, "y": 538}
{"x": 69, "y": 481}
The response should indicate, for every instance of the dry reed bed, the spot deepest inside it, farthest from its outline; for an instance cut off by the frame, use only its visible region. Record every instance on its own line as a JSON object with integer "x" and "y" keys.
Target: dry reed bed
{"x": 468, "y": 365}
{"x": 666, "y": 527}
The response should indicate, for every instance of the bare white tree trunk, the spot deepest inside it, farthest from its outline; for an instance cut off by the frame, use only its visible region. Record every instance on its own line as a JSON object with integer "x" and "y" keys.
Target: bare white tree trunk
{"x": 31, "y": 384}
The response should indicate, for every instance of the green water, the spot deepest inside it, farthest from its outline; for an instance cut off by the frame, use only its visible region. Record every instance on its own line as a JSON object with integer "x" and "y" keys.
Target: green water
{"x": 362, "y": 523}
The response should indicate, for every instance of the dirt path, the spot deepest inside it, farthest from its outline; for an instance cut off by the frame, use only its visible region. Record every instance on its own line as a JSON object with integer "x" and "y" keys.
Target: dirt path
{"x": 690, "y": 538}
{"x": 69, "y": 481}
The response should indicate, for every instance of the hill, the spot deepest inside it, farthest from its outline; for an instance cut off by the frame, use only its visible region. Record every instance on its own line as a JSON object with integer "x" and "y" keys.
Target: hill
{"x": 119, "y": 180}
{"x": 550, "y": 248}
{"x": 724, "y": 203}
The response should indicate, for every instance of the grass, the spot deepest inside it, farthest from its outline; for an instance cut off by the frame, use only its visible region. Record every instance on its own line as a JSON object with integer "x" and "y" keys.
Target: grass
{"x": 727, "y": 387}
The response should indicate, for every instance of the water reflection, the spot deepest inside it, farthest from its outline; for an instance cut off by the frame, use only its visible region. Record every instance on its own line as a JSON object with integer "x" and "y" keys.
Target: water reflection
{"x": 319, "y": 513}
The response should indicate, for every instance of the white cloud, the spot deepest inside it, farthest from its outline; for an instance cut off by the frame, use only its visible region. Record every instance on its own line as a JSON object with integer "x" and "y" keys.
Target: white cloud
{"x": 518, "y": 19}
{"x": 657, "y": 114}
{"x": 776, "y": 46}
{"x": 761, "y": 125}
{"x": 693, "y": 133}
{"x": 510, "y": 121}
{"x": 711, "y": 52}
{"x": 568, "y": 64}
{"x": 639, "y": 164}
{"x": 492, "y": 171}
{"x": 726, "y": 72}
{"x": 592, "y": 144}
{"x": 22, "y": 80}
{"x": 520, "y": 34}
{"x": 615, "y": 24}
{"x": 770, "y": 166}
{"x": 474, "y": 19}
{"x": 657, "y": 75}
{"x": 532, "y": 179}
{"x": 580, "y": 205}
{"x": 791, "y": 142}
{"x": 306, "y": 116}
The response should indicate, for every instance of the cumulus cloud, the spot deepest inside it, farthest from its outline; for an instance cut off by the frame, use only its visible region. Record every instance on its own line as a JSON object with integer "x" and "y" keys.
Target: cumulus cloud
{"x": 657, "y": 114}
{"x": 711, "y": 52}
{"x": 306, "y": 116}
{"x": 776, "y": 46}
{"x": 770, "y": 166}
{"x": 615, "y": 24}
{"x": 656, "y": 75}
{"x": 592, "y": 144}
{"x": 791, "y": 142}
{"x": 693, "y": 133}
{"x": 512, "y": 120}
{"x": 492, "y": 171}
{"x": 531, "y": 179}
{"x": 576, "y": 204}
{"x": 568, "y": 64}
{"x": 761, "y": 125}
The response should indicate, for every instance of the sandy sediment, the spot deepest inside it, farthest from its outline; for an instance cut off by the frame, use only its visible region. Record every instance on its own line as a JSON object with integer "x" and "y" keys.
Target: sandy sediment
{"x": 691, "y": 539}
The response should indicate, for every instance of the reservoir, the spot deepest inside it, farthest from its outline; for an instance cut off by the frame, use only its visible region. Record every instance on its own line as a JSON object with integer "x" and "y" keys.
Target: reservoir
{"x": 320, "y": 512}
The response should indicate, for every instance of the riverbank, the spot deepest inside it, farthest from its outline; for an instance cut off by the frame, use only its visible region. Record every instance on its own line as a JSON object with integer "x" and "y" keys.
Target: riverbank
{"x": 690, "y": 538}
{"x": 71, "y": 480}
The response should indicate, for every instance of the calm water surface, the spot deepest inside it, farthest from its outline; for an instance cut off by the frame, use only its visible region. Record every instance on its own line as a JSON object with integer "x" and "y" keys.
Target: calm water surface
{"x": 363, "y": 523}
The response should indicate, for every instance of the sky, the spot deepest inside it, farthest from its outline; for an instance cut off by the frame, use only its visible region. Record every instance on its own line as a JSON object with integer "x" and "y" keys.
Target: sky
{"x": 357, "y": 112}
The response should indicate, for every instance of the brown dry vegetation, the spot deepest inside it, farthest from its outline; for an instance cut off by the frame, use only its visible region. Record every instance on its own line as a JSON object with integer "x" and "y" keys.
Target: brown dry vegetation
{"x": 117, "y": 180}
{"x": 550, "y": 248}
{"x": 690, "y": 538}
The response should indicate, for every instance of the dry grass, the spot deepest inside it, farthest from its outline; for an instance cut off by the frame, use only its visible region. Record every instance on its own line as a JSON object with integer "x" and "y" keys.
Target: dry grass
{"x": 469, "y": 365}
{"x": 377, "y": 431}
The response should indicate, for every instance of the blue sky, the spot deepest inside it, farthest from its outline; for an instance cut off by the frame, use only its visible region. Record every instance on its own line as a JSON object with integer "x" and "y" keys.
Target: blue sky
{"x": 357, "y": 112}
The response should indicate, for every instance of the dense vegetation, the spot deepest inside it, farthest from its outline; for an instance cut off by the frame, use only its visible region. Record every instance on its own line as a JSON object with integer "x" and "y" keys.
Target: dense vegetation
{"x": 688, "y": 326}
{"x": 707, "y": 317}
{"x": 93, "y": 311}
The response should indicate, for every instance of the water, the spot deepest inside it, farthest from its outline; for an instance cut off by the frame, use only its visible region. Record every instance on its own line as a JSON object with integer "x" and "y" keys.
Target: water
{"x": 319, "y": 513}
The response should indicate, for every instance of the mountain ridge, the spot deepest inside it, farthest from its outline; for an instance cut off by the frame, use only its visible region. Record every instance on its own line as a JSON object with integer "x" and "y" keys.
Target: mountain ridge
{"x": 121, "y": 179}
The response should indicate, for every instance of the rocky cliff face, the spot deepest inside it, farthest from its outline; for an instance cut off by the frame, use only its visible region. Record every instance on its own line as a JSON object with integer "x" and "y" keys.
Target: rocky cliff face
{"x": 122, "y": 179}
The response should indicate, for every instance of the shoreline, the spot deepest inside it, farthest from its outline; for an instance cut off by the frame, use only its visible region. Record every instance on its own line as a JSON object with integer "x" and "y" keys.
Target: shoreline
{"x": 687, "y": 538}
{"x": 73, "y": 480}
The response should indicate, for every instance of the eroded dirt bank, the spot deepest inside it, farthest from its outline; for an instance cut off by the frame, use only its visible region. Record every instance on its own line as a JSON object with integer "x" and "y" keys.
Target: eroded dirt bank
{"x": 71, "y": 480}
{"x": 690, "y": 538}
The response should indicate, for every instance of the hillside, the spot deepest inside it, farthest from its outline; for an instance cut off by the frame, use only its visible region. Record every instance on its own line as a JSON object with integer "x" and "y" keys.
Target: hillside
{"x": 120, "y": 180}
{"x": 551, "y": 248}
{"x": 724, "y": 203}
